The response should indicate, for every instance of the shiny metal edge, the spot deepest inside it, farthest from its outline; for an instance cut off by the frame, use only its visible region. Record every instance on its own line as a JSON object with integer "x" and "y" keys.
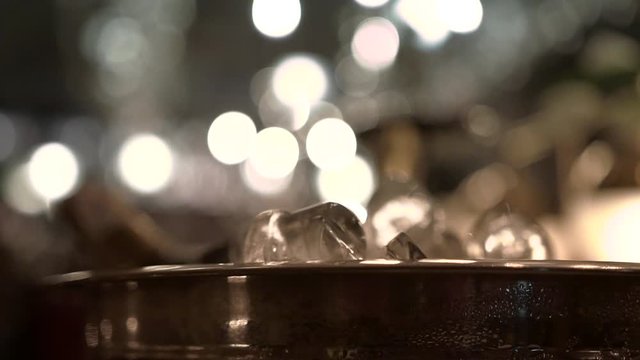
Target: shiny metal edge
{"x": 460, "y": 265}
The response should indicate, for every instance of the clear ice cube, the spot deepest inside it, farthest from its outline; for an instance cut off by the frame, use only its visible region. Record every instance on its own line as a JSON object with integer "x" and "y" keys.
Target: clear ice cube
{"x": 326, "y": 232}
{"x": 399, "y": 206}
{"x": 500, "y": 234}
{"x": 264, "y": 241}
{"x": 402, "y": 247}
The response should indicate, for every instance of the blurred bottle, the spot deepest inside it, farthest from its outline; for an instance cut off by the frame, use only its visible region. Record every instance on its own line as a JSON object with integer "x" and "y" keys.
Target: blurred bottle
{"x": 401, "y": 204}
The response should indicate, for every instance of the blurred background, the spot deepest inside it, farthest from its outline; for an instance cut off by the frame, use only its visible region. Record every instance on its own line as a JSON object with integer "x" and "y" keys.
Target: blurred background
{"x": 182, "y": 119}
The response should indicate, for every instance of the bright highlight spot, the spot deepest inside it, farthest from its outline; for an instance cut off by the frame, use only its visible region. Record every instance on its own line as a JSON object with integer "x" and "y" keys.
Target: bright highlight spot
{"x": 351, "y": 186}
{"x": 620, "y": 232}
{"x": 145, "y": 163}
{"x": 461, "y": 16}
{"x": 20, "y": 195}
{"x": 230, "y": 137}
{"x": 53, "y": 171}
{"x": 423, "y": 16}
{"x": 299, "y": 79}
{"x": 359, "y": 210}
{"x": 375, "y": 43}
{"x": 263, "y": 185}
{"x": 276, "y": 18}
{"x": 275, "y": 153}
{"x": 372, "y": 3}
{"x": 331, "y": 144}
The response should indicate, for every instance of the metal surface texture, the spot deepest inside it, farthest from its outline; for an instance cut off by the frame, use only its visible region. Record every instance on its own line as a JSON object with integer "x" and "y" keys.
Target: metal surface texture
{"x": 368, "y": 310}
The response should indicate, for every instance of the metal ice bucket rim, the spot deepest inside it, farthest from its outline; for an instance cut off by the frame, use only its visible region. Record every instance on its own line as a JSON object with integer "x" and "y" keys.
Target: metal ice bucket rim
{"x": 427, "y": 265}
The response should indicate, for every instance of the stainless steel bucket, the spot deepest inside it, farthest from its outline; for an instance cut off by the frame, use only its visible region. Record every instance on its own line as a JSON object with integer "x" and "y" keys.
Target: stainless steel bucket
{"x": 435, "y": 309}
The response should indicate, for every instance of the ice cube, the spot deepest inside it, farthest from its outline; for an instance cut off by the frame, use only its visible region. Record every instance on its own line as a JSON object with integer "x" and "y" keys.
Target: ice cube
{"x": 402, "y": 247}
{"x": 264, "y": 241}
{"x": 502, "y": 234}
{"x": 399, "y": 206}
{"x": 326, "y": 232}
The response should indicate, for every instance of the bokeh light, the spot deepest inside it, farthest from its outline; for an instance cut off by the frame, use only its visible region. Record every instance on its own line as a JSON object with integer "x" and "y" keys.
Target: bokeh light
{"x": 375, "y": 43}
{"x": 424, "y": 18}
{"x": 276, "y": 19}
{"x": 145, "y": 163}
{"x": 53, "y": 171}
{"x": 331, "y": 144}
{"x": 275, "y": 153}
{"x": 299, "y": 79}
{"x": 230, "y": 137}
{"x": 20, "y": 195}
{"x": 372, "y": 3}
{"x": 461, "y": 16}
{"x": 619, "y": 234}
{"x": 263, "y": 185}
{"x": 351, "y": 185}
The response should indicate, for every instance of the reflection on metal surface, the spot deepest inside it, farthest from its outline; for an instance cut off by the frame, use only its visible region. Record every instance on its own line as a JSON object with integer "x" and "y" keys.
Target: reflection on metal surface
{"x": 91, "y": 335}
{"x": 131, "y": 322}
{"x": 239, "y": 307}
{"x": 106, "y": 330}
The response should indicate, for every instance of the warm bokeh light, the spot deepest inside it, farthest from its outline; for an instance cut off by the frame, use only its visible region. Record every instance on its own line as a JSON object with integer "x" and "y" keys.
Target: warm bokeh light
{"x": 230, "y": 137}
{"x": 375, "y": 43}
{"x": 331, "y": 144}
{"x": 424, "y": 18}
{"x": 20, "y": 195}
{"x": 372, "y": 3}
{"x": 619, "y": 233}
{"x": 53, "y": 171}
{"x": 276, "y": 19}
{"x": 603, "y": 226}
{"x": 299, "y": 79}
{"x": 145, "y": 163}
{"x": 261, "y": 184}
{"x": 349, "y": 185}
{"x": 461, "y": 16}
{"x": 275, "y": 153}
